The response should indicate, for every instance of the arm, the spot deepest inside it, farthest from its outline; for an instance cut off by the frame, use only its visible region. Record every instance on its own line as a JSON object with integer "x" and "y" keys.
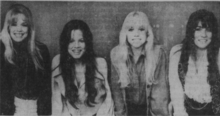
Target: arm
{"x": 44, "y": 101}
{"x": 57, "y": 104}
{"x": 117, "y": 93}
{"x": 216, "y": 91}
{"x": 107, "y": 108}
{"x": 176, "y": 89}
{"x": 6, "y": 96}
{"x": 160, "y": 90}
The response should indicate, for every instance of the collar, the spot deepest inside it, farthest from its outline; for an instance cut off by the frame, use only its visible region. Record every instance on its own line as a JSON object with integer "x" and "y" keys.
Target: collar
{"x": 130, "y": 53}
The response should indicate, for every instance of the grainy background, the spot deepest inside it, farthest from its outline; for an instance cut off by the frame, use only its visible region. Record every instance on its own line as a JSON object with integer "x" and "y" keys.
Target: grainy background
{"x": 105, "y": 19}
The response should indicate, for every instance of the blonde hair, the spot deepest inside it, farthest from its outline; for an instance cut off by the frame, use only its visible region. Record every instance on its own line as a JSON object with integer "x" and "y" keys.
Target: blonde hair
{"x": 119, "y": 54}
{"x": 6, "y": 39}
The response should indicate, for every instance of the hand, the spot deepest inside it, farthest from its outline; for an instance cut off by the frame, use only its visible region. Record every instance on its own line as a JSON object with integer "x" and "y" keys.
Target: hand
{"x": 170, "y": 109}
{"x": 176, "y": 112}
{"x": 4, "y": 37}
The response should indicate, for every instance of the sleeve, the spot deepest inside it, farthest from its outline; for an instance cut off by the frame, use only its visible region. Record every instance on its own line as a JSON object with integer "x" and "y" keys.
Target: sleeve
{"x": 160, "y": 90}
{"x": 107, "y": 107}
{"x": 216, "y": 92}
{"x": 44, "y": 101}
{"x": 57, "y": 104}
{"x": 6, "y": 96}
{"x": 117, "y": 93}
{"x": 176, "y": 89}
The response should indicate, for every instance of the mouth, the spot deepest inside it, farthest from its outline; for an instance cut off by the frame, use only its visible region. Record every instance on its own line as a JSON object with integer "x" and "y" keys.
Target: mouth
{"x": 19, "y": 35}
{"x": 136, "y": 39}
{"x": 77, "y": 51}
{"x": 202, "y": 40}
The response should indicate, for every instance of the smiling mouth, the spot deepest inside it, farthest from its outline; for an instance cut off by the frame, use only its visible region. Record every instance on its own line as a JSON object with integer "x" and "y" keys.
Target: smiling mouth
{"x": 18, "y": 34}
{"x": 77, "y": 51}
{"x": 136, "y": 39}
{"x": 203, "y": 40}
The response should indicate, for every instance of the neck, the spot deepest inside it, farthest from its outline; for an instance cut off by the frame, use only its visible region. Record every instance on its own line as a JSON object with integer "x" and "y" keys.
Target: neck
{"x": 78, "y": 62}
{"x": 136, "y": 53}
{"x": 200, "y": 53}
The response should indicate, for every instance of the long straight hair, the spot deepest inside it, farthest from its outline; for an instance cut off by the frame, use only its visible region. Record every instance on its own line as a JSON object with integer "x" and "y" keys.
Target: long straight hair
{"x": 208, "y": 20}
{"x": 120, "y": 57}
{"x": 67, "y": 62}
{"x": 7, "y": 40}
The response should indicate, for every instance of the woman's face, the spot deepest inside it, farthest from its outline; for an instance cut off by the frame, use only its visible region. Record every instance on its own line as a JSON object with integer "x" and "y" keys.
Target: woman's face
{"x": 202, "y": 36}
{"x": 136, "y": 33}
{"x": 76, "y": 47}
{"x": 19, "y": 28}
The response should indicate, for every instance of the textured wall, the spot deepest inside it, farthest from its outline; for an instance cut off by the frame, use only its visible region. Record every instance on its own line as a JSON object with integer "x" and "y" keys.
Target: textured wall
{"x": 105, "y": 19}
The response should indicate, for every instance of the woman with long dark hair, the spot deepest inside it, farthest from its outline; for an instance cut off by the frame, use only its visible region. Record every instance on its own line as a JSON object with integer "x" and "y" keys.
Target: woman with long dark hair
{"x": 79, "y": 85}
{"x": 194, "y": 68}
{"x": 25, "y": 67}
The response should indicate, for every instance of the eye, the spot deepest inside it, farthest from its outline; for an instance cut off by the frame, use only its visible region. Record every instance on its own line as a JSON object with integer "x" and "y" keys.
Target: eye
{"x": 13, "y": 23}
{"x": 72, "y": 40}
{"x": 199, "y": 28}
{"x": 24, "y": 24}
{"x": 209, "y": 29}
{"x": 81, "y": 40}
{"x": 142, "y": 29}
{"x": 131, "y": 29}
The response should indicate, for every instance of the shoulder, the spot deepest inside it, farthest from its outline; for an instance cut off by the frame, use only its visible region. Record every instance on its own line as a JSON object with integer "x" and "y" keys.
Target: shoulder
{"x": 218, "y": 59}
{"x": 101, "y": 67}
{"x": 41, "y": 45}
{"x": 175, "y": 50}
{"x": 56, "y": 61}
{"x": 101, "y": 62}
{"x": 159, "y": 49}
{"x": 118, "y": 54}
{"x": 2, "y": 48}
{"x": 114, "y": 51}
{"x": 175, "y": 53}
{"x": 159, "y": 52}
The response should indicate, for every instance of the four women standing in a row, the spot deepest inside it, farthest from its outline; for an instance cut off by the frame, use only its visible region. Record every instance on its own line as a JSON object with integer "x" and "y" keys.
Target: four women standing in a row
{"x": 140, "y": 83}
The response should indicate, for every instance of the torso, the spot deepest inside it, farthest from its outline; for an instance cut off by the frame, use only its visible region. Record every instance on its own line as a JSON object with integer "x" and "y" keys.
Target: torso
{"x": 196, "y": 87}
{"x": 83, "y": 108}
{"x": 136, "y": 90}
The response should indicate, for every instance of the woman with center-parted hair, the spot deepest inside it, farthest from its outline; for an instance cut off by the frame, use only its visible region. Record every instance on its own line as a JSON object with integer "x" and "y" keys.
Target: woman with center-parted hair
{"x": 25, "y": 67}
{"x": 194, "y": 68}
{"x": 139, "y": 78}
{"x": 79, "y": 78}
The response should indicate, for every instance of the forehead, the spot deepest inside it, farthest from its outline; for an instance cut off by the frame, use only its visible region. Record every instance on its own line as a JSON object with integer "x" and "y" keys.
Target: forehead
{"x": 17, "y": 17}
{"x": 204, "y": 24}
{"x": 136, "y": 20}
{"x": 76, "y": 34}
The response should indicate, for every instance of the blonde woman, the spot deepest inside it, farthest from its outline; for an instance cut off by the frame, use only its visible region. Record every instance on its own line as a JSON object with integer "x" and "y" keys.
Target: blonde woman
{"x": 25, "y": 67}
{"x": 194, "y": 68}
{"x": 139, "y": 78}
{"x": 79, "y": 78}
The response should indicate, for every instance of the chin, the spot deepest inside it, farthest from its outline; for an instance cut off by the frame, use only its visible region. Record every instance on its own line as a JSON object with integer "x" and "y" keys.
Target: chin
{"x": 77, "y": 56}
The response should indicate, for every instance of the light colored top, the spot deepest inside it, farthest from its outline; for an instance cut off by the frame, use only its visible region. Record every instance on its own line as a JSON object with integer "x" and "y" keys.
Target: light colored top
{"x": 102, "y": 108}
{"x": 196, "y": 86}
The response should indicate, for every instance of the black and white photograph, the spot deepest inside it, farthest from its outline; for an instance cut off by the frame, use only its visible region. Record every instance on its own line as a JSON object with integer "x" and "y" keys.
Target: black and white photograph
{"x": 109, "y": 58}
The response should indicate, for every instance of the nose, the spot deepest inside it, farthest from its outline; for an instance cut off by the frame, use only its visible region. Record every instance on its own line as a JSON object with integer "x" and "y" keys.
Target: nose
{"x": 136, "y": 33}
{"x": 76, "y": 45}
{"x": 204, "y": 33}
{"x": 19, "y": 28}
